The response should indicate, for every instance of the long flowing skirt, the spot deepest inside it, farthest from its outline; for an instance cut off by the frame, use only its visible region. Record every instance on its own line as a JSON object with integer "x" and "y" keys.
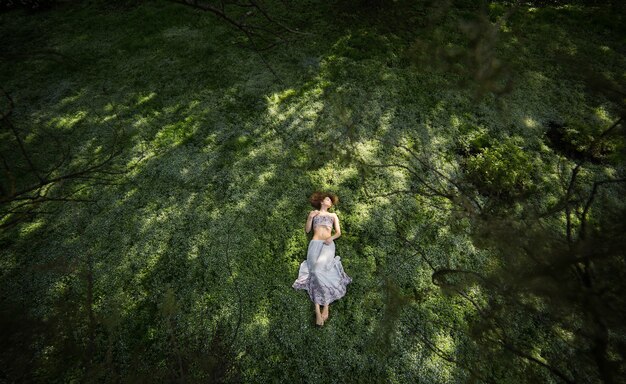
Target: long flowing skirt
{"x": 322, "y": 275}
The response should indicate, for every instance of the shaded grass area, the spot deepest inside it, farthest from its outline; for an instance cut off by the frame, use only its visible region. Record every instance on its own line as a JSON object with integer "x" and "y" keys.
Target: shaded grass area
{"x": 190, "y": 259}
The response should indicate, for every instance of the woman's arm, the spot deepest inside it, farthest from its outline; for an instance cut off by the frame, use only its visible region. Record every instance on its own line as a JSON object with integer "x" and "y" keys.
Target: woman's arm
{"x": 309, "y": 221}
{"x": 337, "y": 227}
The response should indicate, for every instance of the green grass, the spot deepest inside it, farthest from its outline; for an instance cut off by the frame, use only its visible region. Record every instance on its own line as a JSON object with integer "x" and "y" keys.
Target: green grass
{"x": 195, "y": 249}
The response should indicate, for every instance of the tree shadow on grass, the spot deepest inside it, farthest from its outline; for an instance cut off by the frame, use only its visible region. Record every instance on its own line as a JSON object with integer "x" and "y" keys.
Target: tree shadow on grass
{"x": 192, "y": 258}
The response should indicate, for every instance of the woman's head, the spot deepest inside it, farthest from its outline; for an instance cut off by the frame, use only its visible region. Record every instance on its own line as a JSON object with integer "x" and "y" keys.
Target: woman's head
{"x": 326, "y": 198}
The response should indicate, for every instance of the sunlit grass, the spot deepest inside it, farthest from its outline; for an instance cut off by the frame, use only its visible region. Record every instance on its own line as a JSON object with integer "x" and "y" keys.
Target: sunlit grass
{"x": 530, "y": 122}
{"x": 69, "y": 121}
{"x": 146, "y": 98}
{"x": 32, "y": 227}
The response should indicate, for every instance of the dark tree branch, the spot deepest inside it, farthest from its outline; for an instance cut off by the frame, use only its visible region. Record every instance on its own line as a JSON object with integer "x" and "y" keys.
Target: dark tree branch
{"x": 250, "y": 31}
{"x": 568, "y": 209}
{"x": 221, "y": 13}
{"x": 10, "y": 178}
{"x": 441, "y": 273}
{"x": 232, "y": 276}
{"x": 21, "y": 203}
{"x": 17, "y": 137}
{"x": 533, "y": 359}
{"x": 433, "y": 347}
{"x": 412, "y": 172}
{"x": 73, "y": 175}
{"x": 594, "y": 190}
{"x": 605, "y": 133}
{"x": 39, "y": 199}
{"x": 421, "y": 253}
{"x": 11, "y": 105}
{"x": 507, "y": 345}
{"x": 270, "y": 19}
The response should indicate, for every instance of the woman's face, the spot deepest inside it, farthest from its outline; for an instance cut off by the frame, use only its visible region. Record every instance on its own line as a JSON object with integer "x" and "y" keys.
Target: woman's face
{"x": 327, "y": 202}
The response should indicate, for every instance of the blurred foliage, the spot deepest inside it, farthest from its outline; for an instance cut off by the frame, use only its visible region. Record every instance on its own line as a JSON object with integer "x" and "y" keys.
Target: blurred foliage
{"x": 500, "y": 169}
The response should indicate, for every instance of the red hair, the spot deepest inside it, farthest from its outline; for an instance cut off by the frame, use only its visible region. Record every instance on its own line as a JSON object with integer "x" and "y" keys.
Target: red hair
{"x": 317, "y": 198}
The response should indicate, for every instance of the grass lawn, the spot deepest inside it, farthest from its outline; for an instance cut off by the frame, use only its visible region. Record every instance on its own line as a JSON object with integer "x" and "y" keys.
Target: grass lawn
{"x": 183, "y": 267}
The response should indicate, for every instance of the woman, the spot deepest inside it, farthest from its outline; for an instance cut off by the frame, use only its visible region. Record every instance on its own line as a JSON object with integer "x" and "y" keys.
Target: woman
{"x": 322, "y": 274}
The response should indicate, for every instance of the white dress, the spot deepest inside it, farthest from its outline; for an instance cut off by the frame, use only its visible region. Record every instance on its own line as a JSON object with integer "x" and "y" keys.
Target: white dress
{"x": 322, "y": 274}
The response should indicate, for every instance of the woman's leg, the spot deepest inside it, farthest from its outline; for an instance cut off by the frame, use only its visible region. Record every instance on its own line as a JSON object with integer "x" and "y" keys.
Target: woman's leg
{"x": 319, "y": 320}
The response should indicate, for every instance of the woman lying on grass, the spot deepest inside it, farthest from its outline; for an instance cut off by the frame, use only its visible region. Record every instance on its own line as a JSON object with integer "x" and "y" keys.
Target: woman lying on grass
{"x": 322, "y": 275}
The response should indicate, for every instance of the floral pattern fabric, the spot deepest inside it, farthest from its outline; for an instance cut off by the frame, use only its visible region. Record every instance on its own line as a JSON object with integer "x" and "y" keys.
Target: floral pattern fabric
{"x": 325, "y": 220}
{"x": 322, "y": 274}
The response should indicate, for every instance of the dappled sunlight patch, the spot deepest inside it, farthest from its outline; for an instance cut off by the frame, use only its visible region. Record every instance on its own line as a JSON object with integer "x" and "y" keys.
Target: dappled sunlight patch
{"x": 58, "y": 288}
{"x": 445, "y": 342}
{"x": 109, "y": 118}
{"x": 385, "y": 121}
{"x": 530, "y": 122}
{"x": 275, "y": 99}
{"x": 295, "y": 250}
{"x": 184, "y": 172}
{"x": 331, "y": 175}
{"x": 72, "y": 99}
{"x": 209, "y": 143}
{"x": 144, "y": 98}
{"x": 439, "y": 368}
{"x": 194, "y": 251}
{"x": 266, "y": 176}
{"x": 151, "y": 253}
{"x": 32, "y": 227}
{"x": 603, "y": 116}
{"x": 140, "y": 122}
{"x": 299, "y": 109}
{"x": 537, "y": 78}
{"x": 413, "y": 359}
{"x": 175, "y": 134}
{"x": 159, "y": 215}
{"x": 68, "y": 121}
{"x": 259, "y": 324}
{"x": 455, "y": 121}
{"x": 127, "y": 300}
{"x": 367, "y": 149}
{"x": 566, "y": 334}
{"x": 362, "y": 212}
{"x": 88, "y": 151}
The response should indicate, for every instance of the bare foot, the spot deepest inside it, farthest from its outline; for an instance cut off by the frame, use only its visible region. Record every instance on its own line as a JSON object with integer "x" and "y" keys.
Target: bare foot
{"x": 325, "y": 313}
{"x": 319, "y": 319}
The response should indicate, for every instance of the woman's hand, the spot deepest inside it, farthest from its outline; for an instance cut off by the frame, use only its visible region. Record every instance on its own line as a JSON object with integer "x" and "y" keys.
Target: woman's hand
{"x": 328, "y": 241}
{"x": 312, "y": 214}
